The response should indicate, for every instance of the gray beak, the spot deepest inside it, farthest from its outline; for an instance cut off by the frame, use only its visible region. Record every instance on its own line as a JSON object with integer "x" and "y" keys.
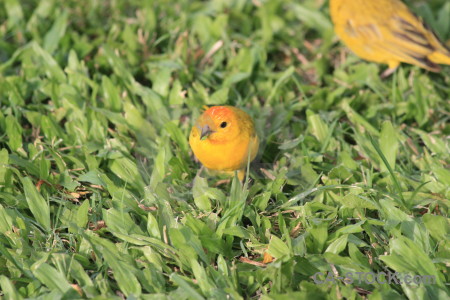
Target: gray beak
{"x": 205, "y": 132}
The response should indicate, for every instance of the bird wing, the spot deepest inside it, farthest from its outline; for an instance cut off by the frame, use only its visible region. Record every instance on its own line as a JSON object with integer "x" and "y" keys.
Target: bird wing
{"x": 401, "y": 37}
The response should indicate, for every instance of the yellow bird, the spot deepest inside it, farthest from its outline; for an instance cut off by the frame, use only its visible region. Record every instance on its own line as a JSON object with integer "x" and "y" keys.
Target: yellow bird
{"x": 224, "y": 140}
{"x": 386, "y": 31}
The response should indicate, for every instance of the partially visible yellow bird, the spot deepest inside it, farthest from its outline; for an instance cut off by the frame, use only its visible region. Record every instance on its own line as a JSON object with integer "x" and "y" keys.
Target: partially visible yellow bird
{"x": 224, "y": 140}
{"x": 386, "y": 31}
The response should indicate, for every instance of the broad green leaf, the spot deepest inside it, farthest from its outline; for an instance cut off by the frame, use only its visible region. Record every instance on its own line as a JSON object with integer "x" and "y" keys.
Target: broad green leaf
{"x": 4, "y": 160}
{"x": 82, "y": 214}
{"x": 437, "y": 226}
{"x": 406, "y": 256}
{"x": 50, "y": 66}
{"x": 53, "y": 279}
{"x": 153, "y": 226}
{"x": 338, "y": 245}
{"x": 219, "y": 97}
{"x": 122, "y": 270}
{"x": 15, "y": 12}
{"x": 176, "y": 95}
{"x": 317, "y": 126}
{"x": 353, "y": 228}
{"x": 38, "y": 205}
{"x": 280, "y": 82}
{"x": 312, "y": 18}
{"x": 355, "y": 201}
{"x": 202, "y": 278}
{"x": 6, "y": 220}
{"x": 120, "y": 221}
{"x": 319, "y": 235}
{"x": 388, "y": 144}
{"x": 127, "y": 170}
{"x": 8, "y": 289}
{"x": 191, "y": 293}
{"x": 92, "y": 177}
{"x": 14, "y": 133}
{"x": 55, "y": 34}
{"x": 434, "y": 143}
{"x": 199, "y": 191}
{"x": 278, "y": 249}
{"x": 113, "y": 100}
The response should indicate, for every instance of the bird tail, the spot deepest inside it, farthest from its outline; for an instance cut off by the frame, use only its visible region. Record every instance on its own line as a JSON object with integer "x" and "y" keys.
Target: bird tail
{"x": 440, "y": 57}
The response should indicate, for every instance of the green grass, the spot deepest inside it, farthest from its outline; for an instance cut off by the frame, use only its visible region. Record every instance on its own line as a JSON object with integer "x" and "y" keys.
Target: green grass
{"x": 98, "y": 189}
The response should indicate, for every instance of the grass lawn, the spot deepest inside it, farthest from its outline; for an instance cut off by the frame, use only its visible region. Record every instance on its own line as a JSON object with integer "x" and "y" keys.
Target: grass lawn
{"x": 99, "y": 192}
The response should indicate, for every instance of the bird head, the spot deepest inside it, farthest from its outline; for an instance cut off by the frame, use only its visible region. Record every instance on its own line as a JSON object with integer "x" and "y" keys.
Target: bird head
{"x": 217, "y": 124}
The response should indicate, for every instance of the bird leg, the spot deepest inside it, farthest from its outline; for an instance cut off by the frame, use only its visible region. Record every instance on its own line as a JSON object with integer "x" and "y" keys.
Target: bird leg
{"x": 388, "y": 72}
{"x": 222, "y": 181}
{"x": 393, "y": 65}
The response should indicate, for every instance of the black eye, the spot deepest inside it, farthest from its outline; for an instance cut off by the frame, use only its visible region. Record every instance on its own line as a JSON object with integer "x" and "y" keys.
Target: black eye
{"x": 223, "y": 124}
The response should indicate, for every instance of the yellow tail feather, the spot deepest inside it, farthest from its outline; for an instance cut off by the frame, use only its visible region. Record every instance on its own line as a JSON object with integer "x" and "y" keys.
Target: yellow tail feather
{"x": 440, "y": 58}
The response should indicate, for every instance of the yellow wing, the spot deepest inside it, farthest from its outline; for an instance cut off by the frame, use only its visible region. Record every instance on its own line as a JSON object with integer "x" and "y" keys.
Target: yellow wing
{"x": 386, "y": 31}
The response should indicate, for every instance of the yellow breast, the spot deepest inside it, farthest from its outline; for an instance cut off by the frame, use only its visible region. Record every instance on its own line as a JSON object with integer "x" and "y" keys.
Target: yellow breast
{"x": 224, "y": 139}
{"x": 228, "y": 156}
